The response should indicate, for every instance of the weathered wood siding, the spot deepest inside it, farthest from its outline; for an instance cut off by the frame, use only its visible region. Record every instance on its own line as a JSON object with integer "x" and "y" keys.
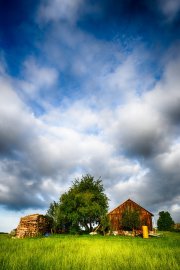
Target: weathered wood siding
{"x": 116, "y": 215}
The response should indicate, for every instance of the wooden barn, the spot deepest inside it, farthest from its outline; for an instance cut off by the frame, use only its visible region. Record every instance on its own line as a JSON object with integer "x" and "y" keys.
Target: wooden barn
{"x": 32, "y": 226}
{"x": 115, "y": 216}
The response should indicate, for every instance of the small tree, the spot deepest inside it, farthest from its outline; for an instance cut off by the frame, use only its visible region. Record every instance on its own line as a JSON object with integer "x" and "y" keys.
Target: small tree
{"x": 53, "y": 216}
{"x": 105, "y": 223}
{"x": 130, "y": 219}
{"x": 165, "y": 221}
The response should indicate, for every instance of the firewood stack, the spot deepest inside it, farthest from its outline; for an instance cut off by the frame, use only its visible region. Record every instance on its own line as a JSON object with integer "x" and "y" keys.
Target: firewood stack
{"x": 32, "y": 226}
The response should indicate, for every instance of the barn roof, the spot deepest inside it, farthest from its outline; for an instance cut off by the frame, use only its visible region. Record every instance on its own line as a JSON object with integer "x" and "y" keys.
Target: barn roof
{"x": 129, "y": 200}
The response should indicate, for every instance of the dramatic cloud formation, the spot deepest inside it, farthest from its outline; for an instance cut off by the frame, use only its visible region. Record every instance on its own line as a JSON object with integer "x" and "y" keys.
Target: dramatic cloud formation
{"x": 92, "y": 90}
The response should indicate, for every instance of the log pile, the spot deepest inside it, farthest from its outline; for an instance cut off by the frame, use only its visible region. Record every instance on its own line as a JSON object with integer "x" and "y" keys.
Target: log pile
{"x": 32, "y": 226}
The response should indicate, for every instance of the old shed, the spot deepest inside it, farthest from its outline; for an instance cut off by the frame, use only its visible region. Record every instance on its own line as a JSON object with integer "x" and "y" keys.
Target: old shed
{"x": 115, "y": 215}
{"x": 32, "y": 226}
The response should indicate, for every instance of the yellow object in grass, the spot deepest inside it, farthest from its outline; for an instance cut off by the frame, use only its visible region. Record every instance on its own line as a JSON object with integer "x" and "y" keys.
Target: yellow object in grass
{"x": 145, "y": 231}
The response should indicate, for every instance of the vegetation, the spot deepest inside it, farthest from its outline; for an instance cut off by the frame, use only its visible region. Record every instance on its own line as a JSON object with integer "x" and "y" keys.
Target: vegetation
{"x": 104, "y": 224}
{"x": 176, "y": 227}
{"x": 90, "y": 252}
{"x": 130, "y": 220}
{"x": 165, "y": 221}
{"x": 82, "y": 207}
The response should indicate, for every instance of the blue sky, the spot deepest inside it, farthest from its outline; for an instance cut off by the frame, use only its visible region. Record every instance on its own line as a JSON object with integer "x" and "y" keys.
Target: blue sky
{"x": 89, "y": 87}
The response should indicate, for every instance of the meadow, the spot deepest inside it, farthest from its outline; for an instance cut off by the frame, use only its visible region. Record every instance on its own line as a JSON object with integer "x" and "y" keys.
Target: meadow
{"x": 90, "y": 252}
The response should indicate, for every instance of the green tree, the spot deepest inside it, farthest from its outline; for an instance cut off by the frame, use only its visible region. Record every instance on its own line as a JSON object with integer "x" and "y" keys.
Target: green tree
{"x": 81, "y": 206}
{"x": 53, "y": 216}
{"x": 104, "y": 223}
{"x": 165, "y": 221}
{"x": 130, "y": 219}
{"x": 57, "y": 220}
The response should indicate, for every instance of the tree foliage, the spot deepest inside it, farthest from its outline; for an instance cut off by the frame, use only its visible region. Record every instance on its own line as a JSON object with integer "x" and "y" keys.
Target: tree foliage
{"x": 105, "y": 223}
{"x": 165, "y": 221}
{"x": 130, "y": 219}
{"x": 56, "y": 218}
{"x": 82, "y": 206}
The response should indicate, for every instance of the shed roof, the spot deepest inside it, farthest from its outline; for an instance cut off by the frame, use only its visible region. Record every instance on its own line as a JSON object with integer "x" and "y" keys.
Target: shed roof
{"x": 129, "y": 200}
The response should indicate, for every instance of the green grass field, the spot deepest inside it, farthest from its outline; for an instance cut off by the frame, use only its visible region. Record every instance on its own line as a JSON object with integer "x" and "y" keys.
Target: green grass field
{"x": 90, "y": 252}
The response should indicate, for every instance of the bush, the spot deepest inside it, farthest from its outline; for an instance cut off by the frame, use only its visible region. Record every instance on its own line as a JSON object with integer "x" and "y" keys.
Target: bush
{"x": 13, "y": 232}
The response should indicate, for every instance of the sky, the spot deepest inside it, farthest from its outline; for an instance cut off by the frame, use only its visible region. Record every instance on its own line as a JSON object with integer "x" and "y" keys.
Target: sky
{"x": 89, "y": 87}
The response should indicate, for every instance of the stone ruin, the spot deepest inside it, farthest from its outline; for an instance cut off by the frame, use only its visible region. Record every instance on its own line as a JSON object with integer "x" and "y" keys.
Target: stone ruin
{"x": 32, "y": 226}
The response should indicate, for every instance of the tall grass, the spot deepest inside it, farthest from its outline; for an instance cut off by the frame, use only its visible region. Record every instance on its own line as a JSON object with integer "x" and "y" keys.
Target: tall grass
{"x": 90, "y": 252}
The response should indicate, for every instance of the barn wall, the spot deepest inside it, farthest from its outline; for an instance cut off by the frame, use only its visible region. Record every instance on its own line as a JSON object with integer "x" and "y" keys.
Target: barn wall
{"x": 116, "y": 215}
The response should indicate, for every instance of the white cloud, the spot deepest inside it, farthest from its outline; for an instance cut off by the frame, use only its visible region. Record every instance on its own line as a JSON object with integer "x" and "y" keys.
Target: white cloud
{"x": 15, "y": 119}
{"x": 36, "y": 78}
{"x": 168, "y": 161}
{"x": 59, "y": 9}
{"x": 170, "y": 8}
{"x": 165, "y": 97}
{"x": 139, "y": 129}
{"x": 123, "y": 80}
{"x": 77, "y": 115}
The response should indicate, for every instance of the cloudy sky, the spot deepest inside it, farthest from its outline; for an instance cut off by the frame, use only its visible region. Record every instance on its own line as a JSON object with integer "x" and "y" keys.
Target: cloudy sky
{"x": 89, "y": 87}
